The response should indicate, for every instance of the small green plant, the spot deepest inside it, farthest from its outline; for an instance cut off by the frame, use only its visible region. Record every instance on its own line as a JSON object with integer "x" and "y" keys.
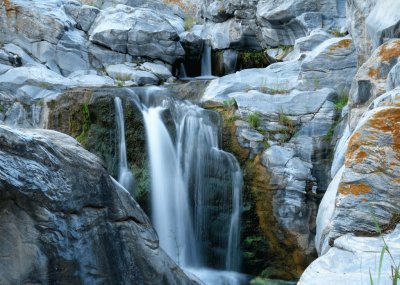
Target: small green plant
{"x": 288, "y": 123}
{"x": 254, "y": 120}
{"x": 280, "y": 88}
{"x": 263, "y": 86}
{"x": 122, "y": 77}
{"x": 341, "y": 101}
{"x": 230, "y": 103}
{"x": 189, "y": 23}
{"x": 329, "y": 135}
{"x": 85, "y": 123}
{"x": 251, "y": 59}
{"x": 119, "y": 83}
{"x": 335, "y": 31}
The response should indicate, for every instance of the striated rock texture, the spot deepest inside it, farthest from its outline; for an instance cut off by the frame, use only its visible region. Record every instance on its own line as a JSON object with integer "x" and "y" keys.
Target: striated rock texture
{"x": 362, "y": 195}
{"x": 367, "y": 189}
{"x": 65, "y": 221}
{"x": 370, "y": 80}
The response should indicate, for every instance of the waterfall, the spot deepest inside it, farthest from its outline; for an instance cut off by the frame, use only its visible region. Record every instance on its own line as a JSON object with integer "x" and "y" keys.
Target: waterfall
{"x": 188, "y": 174}
{"x": 125, "y": 176}
{"x": 230, "y": 61}
{"x": 233, "y": 254}
{"x": 182, "y": 71}
{"x": 206, "y": 61}
{"x": 170, "y": 210}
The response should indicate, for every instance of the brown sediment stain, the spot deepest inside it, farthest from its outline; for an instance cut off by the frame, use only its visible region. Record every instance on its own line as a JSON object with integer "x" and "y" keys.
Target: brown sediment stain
{"x": 374, "y": 72}
{"x": 286, "y": 259}
{"x": 390, "y": 51}
{"x": 354, "y": 189}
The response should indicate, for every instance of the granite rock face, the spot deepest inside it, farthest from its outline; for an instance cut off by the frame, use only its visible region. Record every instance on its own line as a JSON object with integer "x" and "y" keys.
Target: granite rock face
{"x": 74, "y": 225}
{"x": 362, "y": 194}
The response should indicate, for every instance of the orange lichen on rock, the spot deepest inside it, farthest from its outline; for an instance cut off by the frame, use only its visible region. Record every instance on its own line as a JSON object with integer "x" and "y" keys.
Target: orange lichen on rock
{"x": 374, "y": 72}
{"x": 360, "y": 156}
{"x": 354, "y": 189}
{"x": 354, "y": 145}
{"x": 341, "y": 44}
{"x": 388, "y": 53}
{"x": 344, "y": 43}
{"x": 388, "y": 120}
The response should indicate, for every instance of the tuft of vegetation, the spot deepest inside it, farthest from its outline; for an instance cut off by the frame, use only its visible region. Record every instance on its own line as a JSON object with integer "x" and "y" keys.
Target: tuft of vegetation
{"x": 119, "y": 83}
{"x": 85, "y": 124}
{"x": 335, "y": 31}
{"x": 341, "y": 101}
{"x": 395, "y": 274}
{"x": 251, "y": 59}
{"x": 289, "y": 124}
{"x": 254, "y": 120}
{"x": 189, "y": 22}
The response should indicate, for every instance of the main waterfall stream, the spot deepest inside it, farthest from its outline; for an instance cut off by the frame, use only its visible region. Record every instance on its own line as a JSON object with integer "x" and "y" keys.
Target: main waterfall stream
{"x": 195, "y": 190}
{"x": 125, "y": 176}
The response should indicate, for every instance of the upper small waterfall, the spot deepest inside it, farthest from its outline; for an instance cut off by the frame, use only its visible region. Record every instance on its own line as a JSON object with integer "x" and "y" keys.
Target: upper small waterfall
{"x": 206, "y": 61}
{"x": 125, "y": 176}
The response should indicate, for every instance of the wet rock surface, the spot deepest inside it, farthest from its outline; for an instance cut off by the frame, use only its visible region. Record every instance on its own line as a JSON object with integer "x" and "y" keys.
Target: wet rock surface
{"x": 71, "y": 222}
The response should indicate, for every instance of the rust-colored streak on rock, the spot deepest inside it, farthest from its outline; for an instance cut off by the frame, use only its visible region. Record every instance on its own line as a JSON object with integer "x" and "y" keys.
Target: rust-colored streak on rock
{"x": 388, "y": 53}
{"x": 9, "y": 8}
{"x": 354, "y": 189}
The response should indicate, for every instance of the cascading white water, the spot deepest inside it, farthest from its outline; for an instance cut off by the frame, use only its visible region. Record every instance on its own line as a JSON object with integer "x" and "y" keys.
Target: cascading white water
{"x": 125, "y": 176}
{"x": 182, "y": 71}
{"x": 182, "y": 176}
{"x": 233, "y": 254}
{"x": 206, "y": 61}
{"x": 170, "y": 212}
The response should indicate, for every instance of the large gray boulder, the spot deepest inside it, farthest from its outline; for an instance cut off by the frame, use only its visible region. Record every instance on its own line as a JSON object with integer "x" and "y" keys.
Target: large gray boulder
{"x": 137, "y": 31}
{"x": 64, "y": 220}
{"x": 354, "y": 260}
